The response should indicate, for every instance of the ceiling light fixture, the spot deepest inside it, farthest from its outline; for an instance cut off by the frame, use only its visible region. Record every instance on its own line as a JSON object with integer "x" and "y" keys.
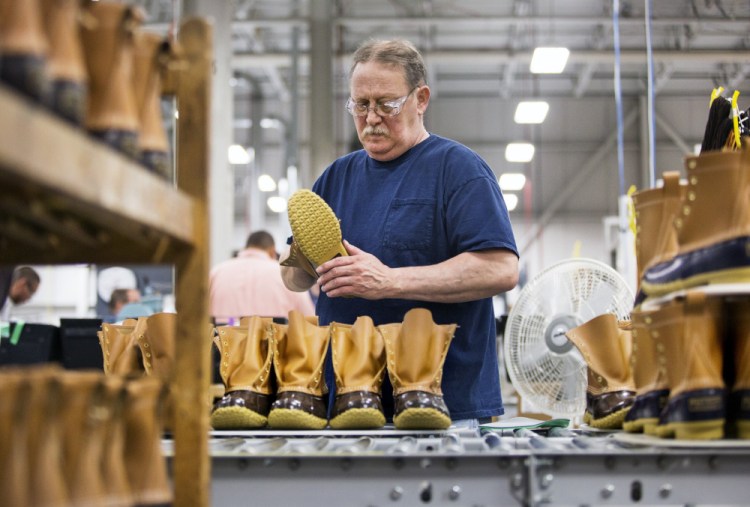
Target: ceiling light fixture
{"x": 266, "y": 183}
{"x": 549, "y": 60}
{"x": 276, "y": 204}
{"x": 511, "y": 201}
{"x": 239, "y": 155}
{"x": 512, "y": 182}
{"x": 519, "y": 152}
{"x": 531, "y": 111}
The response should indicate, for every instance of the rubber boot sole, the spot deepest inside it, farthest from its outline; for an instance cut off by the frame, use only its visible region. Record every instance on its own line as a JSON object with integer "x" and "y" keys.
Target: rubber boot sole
{"x": 315, "y": 227}
{"x": 613, "y": 421}
{"x": 640, "y": 425}
{"x": 289, "y": 419}
{"x": 236, "y": 418}
{"x": 421, "y": 419}
{"x": 358, "y": 418}
{"x": 696, "y": 430}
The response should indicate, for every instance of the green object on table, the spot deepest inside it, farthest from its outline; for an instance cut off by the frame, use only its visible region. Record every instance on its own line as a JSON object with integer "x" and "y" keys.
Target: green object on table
{"x": 515, "y": 423}
{"x": 16, "y": 334}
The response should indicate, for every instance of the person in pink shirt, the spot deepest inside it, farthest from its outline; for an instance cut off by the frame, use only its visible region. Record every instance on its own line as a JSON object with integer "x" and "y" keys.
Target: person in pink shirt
{"x": 250, "y": 284}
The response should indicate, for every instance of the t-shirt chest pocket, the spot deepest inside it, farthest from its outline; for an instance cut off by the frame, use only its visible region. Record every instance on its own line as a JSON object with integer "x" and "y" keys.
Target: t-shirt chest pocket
{"x": 408, "y": 225}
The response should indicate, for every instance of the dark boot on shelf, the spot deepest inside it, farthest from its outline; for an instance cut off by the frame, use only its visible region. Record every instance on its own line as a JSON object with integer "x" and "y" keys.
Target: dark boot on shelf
{"x": 359, "y": 367}
{"x": 649, "y": 366}
{"x": 66, "y": 68}
{"x": 656, "y": 236}
{"x": 121, "y": 355}
{"x": 713, "y": 227}
{"x": 692, "y": 333}
{"x": 82, "y": 435}
{"x": 14, "y": 390}
{"x": 738, "y": 355}
{"x": 299, "y": 352}
{"x": 45, "y": 438}
{"x": 23, "y": 48}
{"x": 145, "y": 463}
{"x": 245, "y": 369}
{"x": 416, "y": 349}
{"x": 610, "y": 391}
{"x": 153, "y": 54}
{"x": 108, "y": 42}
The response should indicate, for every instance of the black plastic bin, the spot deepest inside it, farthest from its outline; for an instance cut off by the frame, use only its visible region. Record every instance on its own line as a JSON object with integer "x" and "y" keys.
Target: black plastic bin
{"x": 37, "y": 343}
{"x": 80, "y": 345}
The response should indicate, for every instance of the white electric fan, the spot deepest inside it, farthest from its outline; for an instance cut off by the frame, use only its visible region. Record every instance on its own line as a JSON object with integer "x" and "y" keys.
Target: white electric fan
{"x": 544, "y": 366}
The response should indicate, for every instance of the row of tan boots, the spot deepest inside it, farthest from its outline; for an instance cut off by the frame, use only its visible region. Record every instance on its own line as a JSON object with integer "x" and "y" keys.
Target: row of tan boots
{"x": 81, "y": 438}
{"x": 680, "y": 367}
{"x": 274, "y": 373}
{"x": 93, "y": 65}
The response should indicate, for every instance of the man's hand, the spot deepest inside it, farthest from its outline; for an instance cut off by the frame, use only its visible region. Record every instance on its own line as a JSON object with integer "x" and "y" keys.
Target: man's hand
{"x": 358, "y": 275}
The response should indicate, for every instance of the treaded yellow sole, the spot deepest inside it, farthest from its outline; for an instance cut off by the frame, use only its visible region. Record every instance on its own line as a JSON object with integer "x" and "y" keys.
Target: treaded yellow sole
{"x": 358, "y": 418}
{"x": 611, "y": 422}
{"x": 235, "y": 418}
{"x": 640, "y": 425}
{"x": 696, "y": 430}
{"x": 315, "y": 227}
{"x": 289, "y": 419}
{"x": 729, "y": 276}
{"x": 421, "y": 419}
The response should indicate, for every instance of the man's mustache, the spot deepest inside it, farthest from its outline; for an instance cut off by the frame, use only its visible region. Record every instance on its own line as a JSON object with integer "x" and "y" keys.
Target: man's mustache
{"x": 374, "y": 131}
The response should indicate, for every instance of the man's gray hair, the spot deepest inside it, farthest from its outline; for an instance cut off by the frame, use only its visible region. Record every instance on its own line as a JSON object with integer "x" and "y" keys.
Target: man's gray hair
{"x": 397, "y": 52}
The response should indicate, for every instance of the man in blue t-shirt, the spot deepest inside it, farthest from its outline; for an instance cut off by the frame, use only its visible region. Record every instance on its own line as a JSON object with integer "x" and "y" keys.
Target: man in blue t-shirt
{"x": 424, "y": 223}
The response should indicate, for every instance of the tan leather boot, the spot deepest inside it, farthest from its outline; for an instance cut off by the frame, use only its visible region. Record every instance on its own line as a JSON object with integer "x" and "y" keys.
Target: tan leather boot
{"x": 359, "y": 367}
{"x": 144, "y": 461}
{"x": 155, "y": 336}
{"x": 606, "y": 347}
{"x": 656, "y": 236}
{"x": 23, "y": 48}
{"x": 738, "y": 410}
{"x": 13, "y": 434}
{"x": 416, "y": 350}
{"x": 245, "y": 369}
{"x": 45, "y": 438}
{"x": 83, "y": 437}
{"x": 299, "y": 352}
{"x": 649, "y": 366}
{"x": 66, "y": 68}
{"x": 120, "y": 348}
{"x": 108, "y": 43}
{"x": 153, "y": 53}
{"x": 692, "y": 333}
{"x": 114, "y": 474}
{"x": 713, "y": 226}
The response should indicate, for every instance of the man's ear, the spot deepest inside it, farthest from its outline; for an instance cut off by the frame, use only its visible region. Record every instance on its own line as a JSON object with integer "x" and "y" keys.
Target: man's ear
{"x": 423, "y": 98}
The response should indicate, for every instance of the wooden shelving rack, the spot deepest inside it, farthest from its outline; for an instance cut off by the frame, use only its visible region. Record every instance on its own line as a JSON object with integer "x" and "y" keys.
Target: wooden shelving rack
{"x": 66, "y": 198}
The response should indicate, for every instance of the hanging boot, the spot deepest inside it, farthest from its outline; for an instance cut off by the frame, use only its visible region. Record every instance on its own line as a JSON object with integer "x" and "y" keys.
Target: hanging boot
{"x": 692, "y": 334}
{"x": 245, "y": 369}
{"x": 111, "y": 113}
{"x": 738, "y": 355}
{"x": 649, "y": 367}
{"x": 299, "y": 352}
{"x": 66, "y": 68}
{"x": 144, "y": 461}
{"x": 713, "y": 227}
{"x": 114, "y": 474}
{"x": 13, "y": 434}
{"x": 359, "y": 366}
{"x": 152, "y": 56}
{"x": 82, "y": 436}
{"x": 121, "y": 355}
{"x": 23, "y": 48}
{"x": 656, "y": 236}
{"x": 45, "y": 438}
{"x": 606, "y": 347}
{"x": 416, "y": 350}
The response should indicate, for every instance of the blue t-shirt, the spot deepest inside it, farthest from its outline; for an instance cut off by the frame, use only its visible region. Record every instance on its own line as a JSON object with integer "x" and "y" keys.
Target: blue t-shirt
{"x": 435, "y": 201}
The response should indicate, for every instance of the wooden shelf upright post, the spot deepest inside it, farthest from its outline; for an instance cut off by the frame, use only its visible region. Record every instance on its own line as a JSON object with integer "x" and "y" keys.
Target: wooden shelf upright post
{"x": 191, "y": 462}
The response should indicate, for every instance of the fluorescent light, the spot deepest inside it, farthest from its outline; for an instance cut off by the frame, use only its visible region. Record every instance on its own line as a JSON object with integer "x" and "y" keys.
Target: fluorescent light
{"x": 266, "y": 183}
{"x": 277, "y": 204}
{"x": 512, "y": 182}
{"x": 511, "y": 201}
{"x": 519, "y": 152}
{"x": 238, "y": 155}
{"x": 549, "y": 60}
{"x": 531, "y": 112}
